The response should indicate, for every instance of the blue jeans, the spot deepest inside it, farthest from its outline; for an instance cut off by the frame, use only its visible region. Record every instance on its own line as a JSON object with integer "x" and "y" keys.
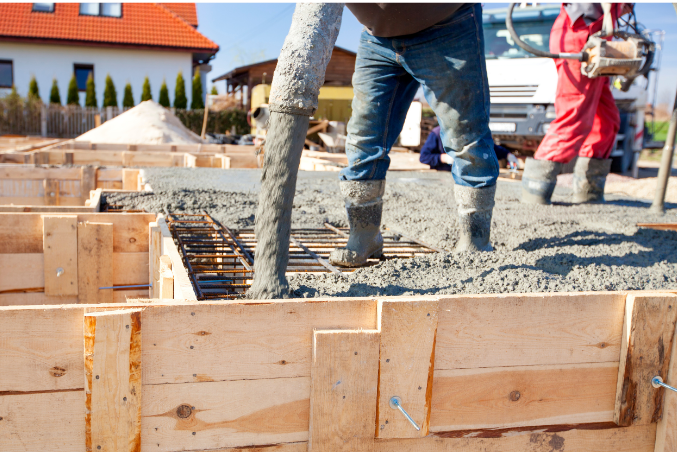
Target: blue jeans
{"x": 447, "y": 60}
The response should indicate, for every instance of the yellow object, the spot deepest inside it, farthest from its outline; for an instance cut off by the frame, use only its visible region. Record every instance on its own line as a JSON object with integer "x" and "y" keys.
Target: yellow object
{"x": 334, "y": 102}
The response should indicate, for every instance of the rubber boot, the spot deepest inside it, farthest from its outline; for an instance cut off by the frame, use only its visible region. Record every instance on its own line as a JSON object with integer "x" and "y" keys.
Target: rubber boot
{"x": 539, "y": 180}
{"x": 474, "y": 206}
{"x": 364, "y": 204}
{"x": 589, "y": 179}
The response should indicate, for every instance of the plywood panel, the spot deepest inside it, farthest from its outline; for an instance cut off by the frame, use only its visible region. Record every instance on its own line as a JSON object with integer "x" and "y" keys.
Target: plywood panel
{"x": 95, "y": 256}
{"x": 60, "y": 244}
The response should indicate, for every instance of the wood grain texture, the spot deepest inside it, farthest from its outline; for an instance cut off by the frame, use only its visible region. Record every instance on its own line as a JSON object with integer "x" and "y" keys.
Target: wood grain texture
{"x": 666, "y": 432}
{"x": 646, "y": 347}
{"x": 51, "y": 422}
{"x": 60, "y": 244}
{"x": 632, "y": 439}
{"x": 344, "y": 385}
{"x": 495, "y": 398}
{"x": 165, "y": 280}
{"x": 113, "y": 377}
{"x": 22, "y": 233}
{"x": 212, "y": 415}
{"x": 154, "y": 252}
{"x": 88, "y": 181}
{"x": 407, "y": 357}
{"x": 235, "y": 341}
{"x": 183, "y": 288}
{"x": 41, "y": 350}
{"x": 529, "y": 330}
{"x": 130, "y": 179}
{"x": 95, "y": 259}
{"x": 51, "y": 192}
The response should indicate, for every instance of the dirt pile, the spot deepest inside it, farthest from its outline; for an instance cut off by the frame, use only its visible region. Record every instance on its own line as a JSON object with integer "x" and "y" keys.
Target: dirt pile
{"x": 147, "y": 123}
{"x": 555, "y": 248}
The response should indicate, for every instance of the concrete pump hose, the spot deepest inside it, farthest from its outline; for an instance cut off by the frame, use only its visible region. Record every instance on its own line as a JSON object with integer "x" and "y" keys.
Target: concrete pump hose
{"x": 298, "y": 77}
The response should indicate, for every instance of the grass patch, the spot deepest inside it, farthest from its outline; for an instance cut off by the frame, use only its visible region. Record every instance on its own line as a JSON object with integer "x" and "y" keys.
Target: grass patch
{"x": 660, "y": 131}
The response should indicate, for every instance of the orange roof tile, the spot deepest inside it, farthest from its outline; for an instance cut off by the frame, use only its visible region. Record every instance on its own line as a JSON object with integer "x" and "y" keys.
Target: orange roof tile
{"x": 186, "y": 11}
{"x": 141, "y": 24}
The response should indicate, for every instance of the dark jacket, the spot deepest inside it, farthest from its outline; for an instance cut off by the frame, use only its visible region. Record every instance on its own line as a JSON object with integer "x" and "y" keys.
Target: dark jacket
{"x": 433, "y": 149}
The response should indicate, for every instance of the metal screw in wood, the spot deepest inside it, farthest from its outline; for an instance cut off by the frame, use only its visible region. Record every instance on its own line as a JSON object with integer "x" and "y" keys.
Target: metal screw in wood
{"x": 59, "y": 272}
{"x": 396, "y": 403}
{"x": 657, "y": 382}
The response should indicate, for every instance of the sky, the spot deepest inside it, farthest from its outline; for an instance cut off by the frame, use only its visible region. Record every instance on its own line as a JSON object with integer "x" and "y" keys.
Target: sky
{"x": 252, "y": 32}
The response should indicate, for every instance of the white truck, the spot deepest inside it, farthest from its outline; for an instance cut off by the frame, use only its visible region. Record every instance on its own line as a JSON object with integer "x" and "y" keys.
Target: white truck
{"x": 523, "y": 86}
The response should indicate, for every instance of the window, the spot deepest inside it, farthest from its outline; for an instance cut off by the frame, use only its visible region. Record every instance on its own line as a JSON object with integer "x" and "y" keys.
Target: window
{"x": 6, "y": 74}
{"x": 43, "y": 7}
{"x": 101, "y": 9}
{"x": 82, "y": 72}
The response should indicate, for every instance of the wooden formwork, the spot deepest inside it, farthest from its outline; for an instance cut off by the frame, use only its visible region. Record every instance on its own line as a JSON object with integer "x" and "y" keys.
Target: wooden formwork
{"x": 537, "y": 372}
{"x": 126, "y": 155}
{"x": 62, "y": 259}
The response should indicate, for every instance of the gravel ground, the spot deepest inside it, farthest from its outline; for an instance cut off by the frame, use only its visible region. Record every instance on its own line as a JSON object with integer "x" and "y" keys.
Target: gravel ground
{"x": 555, "y": 248}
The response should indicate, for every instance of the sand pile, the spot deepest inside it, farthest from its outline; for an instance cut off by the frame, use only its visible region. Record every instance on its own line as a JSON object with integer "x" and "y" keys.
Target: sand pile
{"x": 147, "y": 123}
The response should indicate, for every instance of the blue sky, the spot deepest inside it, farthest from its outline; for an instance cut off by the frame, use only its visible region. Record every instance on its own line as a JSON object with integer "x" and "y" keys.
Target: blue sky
{"x": 251, "y": 32}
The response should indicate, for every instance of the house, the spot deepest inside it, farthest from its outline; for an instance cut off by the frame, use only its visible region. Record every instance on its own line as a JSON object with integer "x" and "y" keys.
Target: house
{"x": 129, "y": 41}
{"x": 242, "y": 80}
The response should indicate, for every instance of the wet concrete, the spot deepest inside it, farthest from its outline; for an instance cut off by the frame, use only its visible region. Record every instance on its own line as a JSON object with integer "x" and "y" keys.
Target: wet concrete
{"x": 554, "y": 248}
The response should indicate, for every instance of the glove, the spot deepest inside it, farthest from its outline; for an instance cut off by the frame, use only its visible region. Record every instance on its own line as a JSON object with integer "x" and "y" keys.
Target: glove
{"x": 446, "y": 158}
{"x": 512, "y": 160}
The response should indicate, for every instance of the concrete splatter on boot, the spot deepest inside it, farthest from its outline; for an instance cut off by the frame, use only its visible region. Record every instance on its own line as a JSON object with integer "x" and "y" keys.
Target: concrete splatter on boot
{"x": 539, "y": 180}
{"x": 589, "y": 179}
{"x": 474, "y": 206}
{"x": 364, "y": 205}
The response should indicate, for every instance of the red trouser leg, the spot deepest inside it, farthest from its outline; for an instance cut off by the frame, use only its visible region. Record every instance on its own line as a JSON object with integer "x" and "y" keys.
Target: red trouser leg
{"x": 602, "y": 138}
{"x": 576, "y": 105}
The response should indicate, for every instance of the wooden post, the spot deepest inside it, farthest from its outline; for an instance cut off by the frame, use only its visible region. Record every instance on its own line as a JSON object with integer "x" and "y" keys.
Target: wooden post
{"x": 88, "y": 182}
{"x": 154, "y": 253}
{"x": 407, "y": 357}
{"x": 204, "y": 120}
{"x": 95, "y": 259}
{"x": 60, "y": 248}
{"x": 646, "y": 347}
{"x": 666, "y": 433}
{"x": 344, "y": 383}
{"x": 113, "y": 379}
{"x": 51, "y": 192}
{"x": 130, "y": 179}
{"x": 165, "y": 281}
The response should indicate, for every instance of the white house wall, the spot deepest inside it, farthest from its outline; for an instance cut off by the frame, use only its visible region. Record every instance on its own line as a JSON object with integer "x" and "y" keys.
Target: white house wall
{"x": 47, "y": 62}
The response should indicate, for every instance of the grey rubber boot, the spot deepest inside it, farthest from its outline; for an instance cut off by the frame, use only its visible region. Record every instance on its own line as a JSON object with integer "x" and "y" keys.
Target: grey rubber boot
{"x": 538, "y": 180}
{"x": 474, "y": 206}
{"x": 589, "y": 179}
{"x": 364, "y": 204}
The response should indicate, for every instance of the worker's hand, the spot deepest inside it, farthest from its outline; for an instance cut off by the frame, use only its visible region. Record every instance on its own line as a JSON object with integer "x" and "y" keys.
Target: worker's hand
{"x": 446, "y": 158}
{"x": 512, "y": 161}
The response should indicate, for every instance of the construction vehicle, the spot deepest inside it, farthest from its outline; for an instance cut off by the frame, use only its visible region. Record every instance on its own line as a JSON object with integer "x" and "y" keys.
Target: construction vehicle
{"x": 523, "y": 85}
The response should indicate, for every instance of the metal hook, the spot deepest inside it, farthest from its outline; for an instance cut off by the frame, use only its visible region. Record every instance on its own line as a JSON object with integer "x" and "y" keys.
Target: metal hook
{"x": 657, "y": 382}
{"x": 396, "y": 403}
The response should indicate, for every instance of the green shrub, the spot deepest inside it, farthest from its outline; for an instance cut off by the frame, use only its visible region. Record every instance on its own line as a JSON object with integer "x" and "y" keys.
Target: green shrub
{"x": 73, "y": 94}
{"x": 54, "y": 95}
{"x": 217, "y": 122}
{"x": 110, "y": 95}
{"x": 164, "y": 95}
{"x": 180, "y": 100}
{"x": 197, "y": 103}
{"x": 90, "y": 92}
{"x": 214, "y": 92}
{"x": 128, "y": 99}
{"x": 145, "y": 91}
{"x": 33, "y": 91}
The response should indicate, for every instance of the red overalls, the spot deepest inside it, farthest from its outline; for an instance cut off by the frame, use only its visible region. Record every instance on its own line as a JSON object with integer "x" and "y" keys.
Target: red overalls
{"x": 587, "y": 119}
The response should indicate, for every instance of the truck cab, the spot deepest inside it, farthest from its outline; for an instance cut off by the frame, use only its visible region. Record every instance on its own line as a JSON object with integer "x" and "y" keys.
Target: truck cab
{"x": 523, "y": 87}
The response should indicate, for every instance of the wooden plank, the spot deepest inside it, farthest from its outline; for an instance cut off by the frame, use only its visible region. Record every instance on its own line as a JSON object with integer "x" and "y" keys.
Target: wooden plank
{"x": 343, "y": 393}
{"x": 130, "y": 179}
{"x": 154, "y": 253}
{"x": 95, "y": 255}
{"x": 51, "y": 192}
{"x": 29, "y": 299}
{"x": 88, "y": 182}
{"x": 113, "y": 377}
{"x": 33, "y": 173}
{"x": 633, "y": 439}
{"x": 183, "y": 288}
{"x": 22, "y": 233}
{"x": 60, "y": 258}
{"x": 240, "y": 339}
{"x": 495, "y": 398}
{"x": 43, "y": 422}
{"x": 659, "y": 226}
{"x": 285, "y": 447}
{"x": 26, "y": 270}
{"x": 41, "y": 350}
{"x": 165, "y": 280}
{"x": 407, "y": 358}
{"x": 648, "y": 331}
{"x": 529, "y": 329}
{"x": 224, "y": 414}
{"x": 666, "y": 432}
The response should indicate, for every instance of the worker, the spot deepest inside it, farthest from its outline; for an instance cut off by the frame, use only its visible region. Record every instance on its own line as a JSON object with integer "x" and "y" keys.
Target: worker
{"x": 440, "y": 48}
{"x": 434, "y": 155}
{"x": 587, "y": 118}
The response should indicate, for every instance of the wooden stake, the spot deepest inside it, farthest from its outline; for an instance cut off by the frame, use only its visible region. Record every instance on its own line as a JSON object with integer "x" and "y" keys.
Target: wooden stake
{"x": 95, "y": 262}
{"x": 60, "y": 244}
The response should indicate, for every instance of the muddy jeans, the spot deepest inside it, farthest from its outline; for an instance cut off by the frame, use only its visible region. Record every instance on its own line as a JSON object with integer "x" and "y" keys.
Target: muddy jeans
{"x": 447, "y": 61}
